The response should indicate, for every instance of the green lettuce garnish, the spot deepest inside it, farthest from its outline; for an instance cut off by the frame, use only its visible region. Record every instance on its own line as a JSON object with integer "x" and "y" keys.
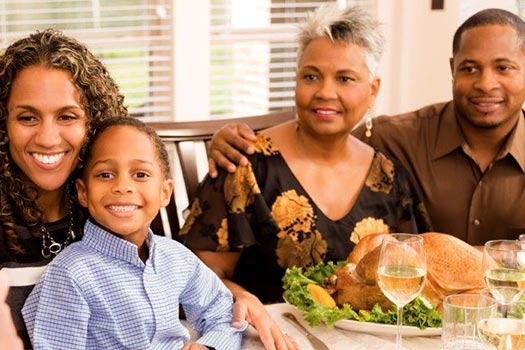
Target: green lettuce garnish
{"x": 419, "y": 313}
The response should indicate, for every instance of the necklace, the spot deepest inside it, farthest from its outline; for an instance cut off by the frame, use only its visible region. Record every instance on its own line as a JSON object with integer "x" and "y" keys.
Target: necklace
{"x": 49, "y": 246}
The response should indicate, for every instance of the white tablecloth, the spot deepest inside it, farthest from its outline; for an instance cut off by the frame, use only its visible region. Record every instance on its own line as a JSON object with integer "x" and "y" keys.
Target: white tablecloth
{"x": 337, "y": 339}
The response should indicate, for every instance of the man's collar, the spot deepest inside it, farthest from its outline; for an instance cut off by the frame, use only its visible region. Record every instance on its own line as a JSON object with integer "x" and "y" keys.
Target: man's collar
{"x": 515, "y": 145}
{"x": 449, "y": 136}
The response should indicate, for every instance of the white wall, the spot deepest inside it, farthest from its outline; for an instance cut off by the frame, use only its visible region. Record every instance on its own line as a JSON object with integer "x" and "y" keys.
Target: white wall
{"x": 191, "y": 59}
{"x": 415, "y": 70}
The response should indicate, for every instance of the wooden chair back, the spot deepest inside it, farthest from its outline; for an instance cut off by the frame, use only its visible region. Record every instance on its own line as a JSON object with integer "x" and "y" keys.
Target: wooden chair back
{"x": 184, "y": 137}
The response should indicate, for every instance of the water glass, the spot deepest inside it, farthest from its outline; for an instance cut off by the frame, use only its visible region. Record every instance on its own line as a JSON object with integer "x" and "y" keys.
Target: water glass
{"x": 461, "y": 315}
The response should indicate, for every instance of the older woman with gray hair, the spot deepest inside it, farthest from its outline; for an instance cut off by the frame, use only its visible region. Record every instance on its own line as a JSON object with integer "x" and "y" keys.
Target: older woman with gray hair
{"x": 311, "y": 191}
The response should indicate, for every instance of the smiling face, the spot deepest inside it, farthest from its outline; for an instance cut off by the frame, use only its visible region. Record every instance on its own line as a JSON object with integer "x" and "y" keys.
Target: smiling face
{"x": 124, "y": 186}
{"x": 333, "y": 90}
{"x": 489, "y": 77}
{"x": 46, "y": 125}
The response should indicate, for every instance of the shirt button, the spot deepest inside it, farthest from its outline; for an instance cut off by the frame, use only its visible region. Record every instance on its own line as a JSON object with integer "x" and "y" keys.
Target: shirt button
{"x": 476, "y": 222}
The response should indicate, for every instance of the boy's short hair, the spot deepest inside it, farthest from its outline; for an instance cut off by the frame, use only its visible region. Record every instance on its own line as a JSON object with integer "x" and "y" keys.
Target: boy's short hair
{"x": 162, "y": 154}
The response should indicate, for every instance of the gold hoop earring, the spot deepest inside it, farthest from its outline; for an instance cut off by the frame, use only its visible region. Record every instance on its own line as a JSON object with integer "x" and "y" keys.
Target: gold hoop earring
{"x": 368, "y": 126}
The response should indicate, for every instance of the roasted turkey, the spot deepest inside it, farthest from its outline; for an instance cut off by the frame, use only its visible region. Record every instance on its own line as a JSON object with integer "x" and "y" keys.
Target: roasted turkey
{"x": 453, "y": 266}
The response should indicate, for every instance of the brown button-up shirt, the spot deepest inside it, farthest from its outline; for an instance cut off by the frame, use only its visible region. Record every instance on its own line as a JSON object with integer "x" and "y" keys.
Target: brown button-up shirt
{"x": 460, "y": 199}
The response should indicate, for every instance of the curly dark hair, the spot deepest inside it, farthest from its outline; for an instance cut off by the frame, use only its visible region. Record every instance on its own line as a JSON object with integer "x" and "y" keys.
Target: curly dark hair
{"x": 100, "y": 98}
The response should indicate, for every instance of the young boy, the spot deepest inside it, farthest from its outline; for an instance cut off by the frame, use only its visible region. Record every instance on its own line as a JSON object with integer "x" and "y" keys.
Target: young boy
{"x": 121, "y": 286}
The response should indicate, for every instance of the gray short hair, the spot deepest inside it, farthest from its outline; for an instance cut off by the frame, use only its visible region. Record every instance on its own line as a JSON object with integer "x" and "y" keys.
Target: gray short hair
{"x": 350, "y": 25}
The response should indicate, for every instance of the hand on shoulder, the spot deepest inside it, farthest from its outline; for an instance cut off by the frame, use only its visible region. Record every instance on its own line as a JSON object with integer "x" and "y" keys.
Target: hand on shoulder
{"x": 226, "y": 146}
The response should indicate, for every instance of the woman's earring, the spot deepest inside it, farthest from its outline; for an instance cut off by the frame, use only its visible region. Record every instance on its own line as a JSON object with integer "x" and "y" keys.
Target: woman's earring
{"x": 368, "y": 126}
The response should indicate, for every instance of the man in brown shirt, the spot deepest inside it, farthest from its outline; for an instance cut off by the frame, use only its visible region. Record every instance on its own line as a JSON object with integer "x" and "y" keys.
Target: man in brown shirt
{"x": 462, "y": 199}
{"x": 467, "y": 155}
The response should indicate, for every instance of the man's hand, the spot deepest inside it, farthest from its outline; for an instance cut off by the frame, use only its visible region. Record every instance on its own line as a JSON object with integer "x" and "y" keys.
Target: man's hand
{"x": 226, "y": 146}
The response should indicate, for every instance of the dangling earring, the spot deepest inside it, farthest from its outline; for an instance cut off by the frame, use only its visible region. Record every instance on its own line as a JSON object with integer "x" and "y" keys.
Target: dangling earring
{"x": 368, "y": 125}
{"x": 296, "y": 122}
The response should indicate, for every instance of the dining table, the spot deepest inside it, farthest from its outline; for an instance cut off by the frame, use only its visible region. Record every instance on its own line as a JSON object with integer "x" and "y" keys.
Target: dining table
{"x": 334, "y": 337}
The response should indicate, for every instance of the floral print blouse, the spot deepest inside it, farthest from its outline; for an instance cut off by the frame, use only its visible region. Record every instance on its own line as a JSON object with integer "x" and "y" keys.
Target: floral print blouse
{"x": 263, "y": 212}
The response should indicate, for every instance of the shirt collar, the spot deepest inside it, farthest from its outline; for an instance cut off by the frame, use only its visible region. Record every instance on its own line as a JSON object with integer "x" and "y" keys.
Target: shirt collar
{"x": 108, "y": 244}
{"x": 449, "y": 136}
{"x": 515, "y": 143}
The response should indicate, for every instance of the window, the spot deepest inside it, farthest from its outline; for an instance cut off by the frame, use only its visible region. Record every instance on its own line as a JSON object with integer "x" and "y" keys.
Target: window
{"x": 253, "y": 54}
{"x": 245, "y": 66}
{"x": 133, "y": 37}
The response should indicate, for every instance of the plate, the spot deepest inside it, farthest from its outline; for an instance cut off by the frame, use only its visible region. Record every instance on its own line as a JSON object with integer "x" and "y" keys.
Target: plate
{"x": 385, "y": 329}
{"x": 379, "y": 328}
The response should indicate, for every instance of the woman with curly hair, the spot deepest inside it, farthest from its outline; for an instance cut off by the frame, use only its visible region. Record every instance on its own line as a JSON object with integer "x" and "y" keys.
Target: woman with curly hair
{"x": 310, "y": 190}
{"x": 52, "y": 90}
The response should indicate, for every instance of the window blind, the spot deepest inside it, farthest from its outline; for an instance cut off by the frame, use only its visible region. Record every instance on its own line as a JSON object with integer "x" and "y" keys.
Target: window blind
{"x": 253, "y": 54}
{"x": 132, "y": 37}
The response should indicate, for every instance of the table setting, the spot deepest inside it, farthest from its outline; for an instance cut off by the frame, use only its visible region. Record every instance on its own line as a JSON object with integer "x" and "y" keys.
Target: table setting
{"x": 336, "y": 338}
{"x": 487, "y": 314}
{"x": 313, "y": 319}
{"x": 491, "y": 317}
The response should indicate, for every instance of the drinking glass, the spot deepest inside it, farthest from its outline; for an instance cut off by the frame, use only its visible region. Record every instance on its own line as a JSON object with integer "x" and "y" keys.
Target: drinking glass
{"x": 401, "y": 272}
{"x": 505, "y": 330}
{"x": 504, "y": 266}
{"x": 462, "y": 314}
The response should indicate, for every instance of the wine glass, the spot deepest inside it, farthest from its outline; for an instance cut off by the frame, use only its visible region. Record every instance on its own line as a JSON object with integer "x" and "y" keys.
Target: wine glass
{"x": 504, "y": 330}
{"x": 401, "y": 271}
{"x": 504, "y": 266}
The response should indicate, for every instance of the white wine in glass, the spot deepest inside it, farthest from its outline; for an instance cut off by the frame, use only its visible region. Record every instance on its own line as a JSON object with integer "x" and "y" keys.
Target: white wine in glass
{"x": 401, "y": 284}
{"x": 401, "y": 272}
{"x": 506, "y": 284}
{"x": 504, "y": 266}
{"x": 503, "y": 333}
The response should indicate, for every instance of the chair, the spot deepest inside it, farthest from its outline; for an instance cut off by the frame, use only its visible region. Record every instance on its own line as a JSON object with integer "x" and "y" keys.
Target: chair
{"x": 183, "y": 137}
